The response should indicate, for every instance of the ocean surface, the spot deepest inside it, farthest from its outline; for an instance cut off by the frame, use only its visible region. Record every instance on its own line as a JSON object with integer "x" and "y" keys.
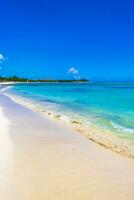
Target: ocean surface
{"x": 107, "y": 106}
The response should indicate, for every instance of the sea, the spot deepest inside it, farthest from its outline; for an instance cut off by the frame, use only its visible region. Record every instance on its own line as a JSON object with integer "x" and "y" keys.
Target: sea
{"x": 108, "y": 106}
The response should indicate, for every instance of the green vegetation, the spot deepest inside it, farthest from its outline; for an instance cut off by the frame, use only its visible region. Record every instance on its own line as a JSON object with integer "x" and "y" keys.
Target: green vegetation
{"x": 18, "y": 79}
{"x": 13, "y": 78}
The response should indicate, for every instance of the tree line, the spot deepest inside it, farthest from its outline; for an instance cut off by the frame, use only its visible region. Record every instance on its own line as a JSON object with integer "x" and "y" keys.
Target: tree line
{"x": 19, "y": 79}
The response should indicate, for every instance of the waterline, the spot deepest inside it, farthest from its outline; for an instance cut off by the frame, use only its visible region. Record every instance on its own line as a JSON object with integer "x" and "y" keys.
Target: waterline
{"x": 105, "y": 138}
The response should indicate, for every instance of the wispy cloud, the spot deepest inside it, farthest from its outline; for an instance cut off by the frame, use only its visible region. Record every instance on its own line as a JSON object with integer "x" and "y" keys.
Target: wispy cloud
{"x": 2, "y": 57}
{"x": 75, "y": 72}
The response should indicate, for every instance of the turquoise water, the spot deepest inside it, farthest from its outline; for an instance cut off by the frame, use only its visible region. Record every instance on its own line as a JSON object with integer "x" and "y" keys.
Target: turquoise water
{"x": 108, "y": 106}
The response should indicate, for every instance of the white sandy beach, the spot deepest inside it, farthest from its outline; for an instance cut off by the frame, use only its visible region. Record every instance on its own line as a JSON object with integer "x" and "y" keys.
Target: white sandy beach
{"x": 40, "y": 159}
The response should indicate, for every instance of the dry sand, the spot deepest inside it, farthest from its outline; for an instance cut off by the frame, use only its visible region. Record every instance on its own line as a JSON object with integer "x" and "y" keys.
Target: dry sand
{"x": 42, "y": 160}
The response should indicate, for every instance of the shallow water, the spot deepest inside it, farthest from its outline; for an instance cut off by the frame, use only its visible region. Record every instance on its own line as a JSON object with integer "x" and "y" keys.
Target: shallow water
{"x": 108, "y": 106}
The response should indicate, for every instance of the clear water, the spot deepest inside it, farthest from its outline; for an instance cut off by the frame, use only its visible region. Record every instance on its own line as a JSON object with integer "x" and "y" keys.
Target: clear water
{"x": 109, "y": 106}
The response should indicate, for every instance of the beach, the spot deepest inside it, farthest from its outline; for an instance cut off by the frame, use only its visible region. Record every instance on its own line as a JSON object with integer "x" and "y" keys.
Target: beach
{"x": 41, "y": 159}
{"x": 93, "y": 110}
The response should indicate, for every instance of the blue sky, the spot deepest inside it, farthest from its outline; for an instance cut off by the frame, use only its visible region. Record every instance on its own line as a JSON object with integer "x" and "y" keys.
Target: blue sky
{"x": 45, "y": 38}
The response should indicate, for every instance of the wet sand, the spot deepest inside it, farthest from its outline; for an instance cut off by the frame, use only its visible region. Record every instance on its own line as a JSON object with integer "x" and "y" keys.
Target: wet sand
{"x": 105, "y": 138}
{"x": 41, "y": 159}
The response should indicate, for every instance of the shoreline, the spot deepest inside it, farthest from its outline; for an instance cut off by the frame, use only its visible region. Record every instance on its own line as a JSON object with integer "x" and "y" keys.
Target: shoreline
{"x": 100, "y": 137}
{"x": 46, "y": 160}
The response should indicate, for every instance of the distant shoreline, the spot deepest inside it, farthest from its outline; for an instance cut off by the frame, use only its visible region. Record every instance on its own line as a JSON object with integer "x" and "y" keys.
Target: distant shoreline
{"x": 26, "y": 80}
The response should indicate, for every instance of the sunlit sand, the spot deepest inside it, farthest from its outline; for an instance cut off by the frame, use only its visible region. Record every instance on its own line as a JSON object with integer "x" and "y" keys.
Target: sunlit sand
{"x": 40, "y": 159}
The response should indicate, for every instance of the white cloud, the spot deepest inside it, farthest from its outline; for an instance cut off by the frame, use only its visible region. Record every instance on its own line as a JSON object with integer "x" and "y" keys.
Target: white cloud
{"x": 2, "y": 58}
{"x": 74, "y": 72}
